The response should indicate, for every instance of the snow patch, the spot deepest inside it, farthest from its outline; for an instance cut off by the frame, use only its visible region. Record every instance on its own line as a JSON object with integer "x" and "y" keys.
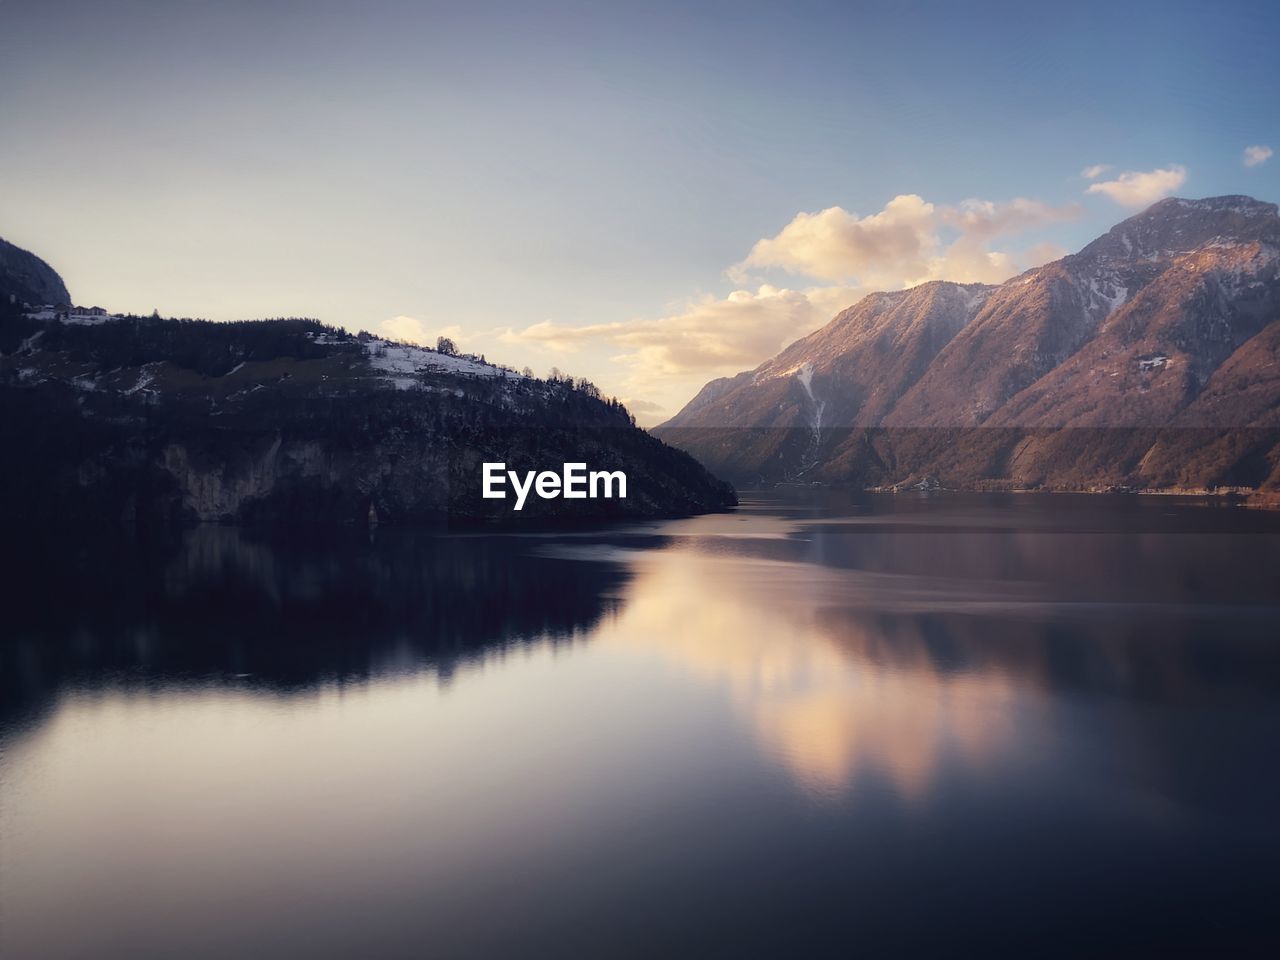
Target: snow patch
{"x": 1107, "y": 293}
{"x": 974, "y": 301}
{"x": 146, "y": 377}
{"x": 327, "y": 339}
{"x": 402, "y": 361}
{"x": 805, "y": 375}
{"x": 76, "y": 316}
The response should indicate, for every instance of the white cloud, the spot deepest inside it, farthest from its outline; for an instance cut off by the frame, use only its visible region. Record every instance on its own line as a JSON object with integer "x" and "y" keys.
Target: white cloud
{"x": 659, "y": 361}
{"x": 834, "y": 244}
{"x": 642, "y": 408}
{"x": 1255, "y": 155}
{"x": 670, "y": 357}
{"x": 1134, "y": 188}
{"x": 908, "y": 242}
{"x": 984, "y": 220}
{"x": 705, "y": 336}
{"x": 1094, "y": 171}
{"x": 1041, "y": 253}
{"x": 968, "y": 260}
{"x": 903, "y": 243}
{"x": 413, "y": 330}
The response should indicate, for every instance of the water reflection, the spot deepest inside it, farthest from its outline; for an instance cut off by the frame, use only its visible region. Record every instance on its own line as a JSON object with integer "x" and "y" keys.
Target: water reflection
{"x": 887, "y": 655}
{"x": 775, "y": 732}
{"x": 226, "y": 608}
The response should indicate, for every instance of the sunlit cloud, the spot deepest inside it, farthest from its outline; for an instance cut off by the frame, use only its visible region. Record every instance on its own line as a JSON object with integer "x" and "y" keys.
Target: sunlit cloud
{"x": 1134, "y": 188}
{"x": 1094, "y": 171}
{"x": 837, "y": 245}
{"x": 706, "y": 335}
{"x": 908, "y": 242}
{"x": 1256, "y": 155}
{"x": 1042, "y": 253}
{"x": 670, "y": 357}
{"x": 641, "y": 407}
{"x": 413, "y": 330}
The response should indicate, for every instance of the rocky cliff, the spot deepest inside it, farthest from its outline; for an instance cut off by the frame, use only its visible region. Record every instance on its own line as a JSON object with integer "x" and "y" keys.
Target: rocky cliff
{"x": 25, "y": 278}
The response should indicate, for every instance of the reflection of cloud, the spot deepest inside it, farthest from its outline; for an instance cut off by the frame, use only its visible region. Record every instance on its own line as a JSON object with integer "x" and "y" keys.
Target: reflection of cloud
{"x": 831, "y": 697}
{"x": 1137, "y": 189}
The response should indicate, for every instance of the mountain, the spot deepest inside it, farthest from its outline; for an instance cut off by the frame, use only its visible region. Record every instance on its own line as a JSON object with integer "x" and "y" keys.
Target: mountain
{"x": 25, "y": 278}
{"x": 1120, "y": 365}
{"x": 143, "y": 423}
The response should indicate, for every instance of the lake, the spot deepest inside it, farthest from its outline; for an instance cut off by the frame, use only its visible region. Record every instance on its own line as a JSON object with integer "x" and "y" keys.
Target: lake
{"x": 823, "y": 724}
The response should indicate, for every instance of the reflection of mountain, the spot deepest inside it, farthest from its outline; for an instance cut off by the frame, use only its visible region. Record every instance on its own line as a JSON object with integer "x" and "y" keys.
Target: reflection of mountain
{"x": 900, "y": 648}
{"x": 904, "y": 657}
{"x": 282, "y": 615}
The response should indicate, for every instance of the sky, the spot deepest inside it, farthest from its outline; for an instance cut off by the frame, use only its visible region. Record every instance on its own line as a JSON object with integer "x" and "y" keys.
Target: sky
{"x": 648, "y": 195}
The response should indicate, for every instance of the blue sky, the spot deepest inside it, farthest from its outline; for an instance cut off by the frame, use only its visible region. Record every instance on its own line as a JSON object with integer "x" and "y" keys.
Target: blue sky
{"x": 573, "y": 184}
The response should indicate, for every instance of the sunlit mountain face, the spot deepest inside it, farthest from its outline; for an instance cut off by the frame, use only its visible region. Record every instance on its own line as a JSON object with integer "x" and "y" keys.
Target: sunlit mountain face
{"x": 1144, "y": 360}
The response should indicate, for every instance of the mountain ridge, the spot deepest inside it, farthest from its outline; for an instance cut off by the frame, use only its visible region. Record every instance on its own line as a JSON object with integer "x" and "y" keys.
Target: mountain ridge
{"x": 146, "y": 424}
{"x": 1129, "y": 332}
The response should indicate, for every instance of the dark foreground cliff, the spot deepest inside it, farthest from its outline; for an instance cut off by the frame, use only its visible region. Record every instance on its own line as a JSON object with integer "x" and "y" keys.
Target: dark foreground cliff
{"x": 139, "y": 422}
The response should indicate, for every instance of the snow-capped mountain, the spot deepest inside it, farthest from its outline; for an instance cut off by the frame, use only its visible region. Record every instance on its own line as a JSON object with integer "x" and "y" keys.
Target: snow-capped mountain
{"x": 1167, "y": 321}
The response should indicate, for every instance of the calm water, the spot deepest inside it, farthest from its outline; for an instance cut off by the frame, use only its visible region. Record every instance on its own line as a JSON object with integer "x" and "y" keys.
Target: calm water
{"x": 887, "y": 727}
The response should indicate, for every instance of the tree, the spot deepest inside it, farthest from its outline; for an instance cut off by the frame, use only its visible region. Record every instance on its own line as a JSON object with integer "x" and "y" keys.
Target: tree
{"x": 446, "y": 346}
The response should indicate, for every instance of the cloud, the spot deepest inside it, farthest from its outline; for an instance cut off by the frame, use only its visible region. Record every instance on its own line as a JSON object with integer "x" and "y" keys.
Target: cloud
{"x": 642, "y": 408}
{"x": 909, "y": 241}
{"x": 413, "y": 330}
{"x": 557, "y": 337}
{"x": 836, "y": 245}
{"x": 1042, "y": 253}
{"x": 671, "y": 356}
{"x": 666, "y": 358}
{"x": 1256, "y": 155}
{"x": 1137, "y": 189}
{"x": 968, "y": 260}
{"x": 904, "y": 243}
{"x": 708, "y": 335}
{"x": 1094, "y": 171}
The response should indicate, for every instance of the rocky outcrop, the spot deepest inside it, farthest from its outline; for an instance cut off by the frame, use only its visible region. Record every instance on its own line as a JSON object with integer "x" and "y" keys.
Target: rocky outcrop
{"x": 25, "y": 278}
